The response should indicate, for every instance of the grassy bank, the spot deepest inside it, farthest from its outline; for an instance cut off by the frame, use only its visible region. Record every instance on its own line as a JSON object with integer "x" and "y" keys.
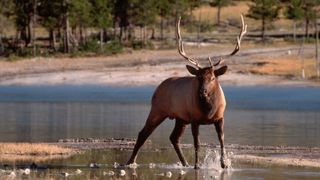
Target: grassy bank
{"x": 37, "y": 152}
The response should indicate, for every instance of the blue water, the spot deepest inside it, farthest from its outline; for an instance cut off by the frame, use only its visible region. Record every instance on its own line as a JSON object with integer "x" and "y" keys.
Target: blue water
{"x": 74, "y": 94}
{"x": 251, "y": 97}
{"x": 255, "y": 115}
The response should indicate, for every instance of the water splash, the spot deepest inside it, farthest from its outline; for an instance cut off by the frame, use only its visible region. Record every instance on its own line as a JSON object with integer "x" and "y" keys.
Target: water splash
{"x": 211, "y": 160}
{"x": 177, "y": 165}
{"x": 211, "y": 166}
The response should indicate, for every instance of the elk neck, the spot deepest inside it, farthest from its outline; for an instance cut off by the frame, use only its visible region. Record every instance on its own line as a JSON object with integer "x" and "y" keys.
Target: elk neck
{"x": 214, "y": 98}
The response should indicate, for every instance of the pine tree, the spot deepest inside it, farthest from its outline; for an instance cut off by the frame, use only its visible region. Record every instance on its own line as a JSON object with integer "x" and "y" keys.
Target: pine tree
{"x": 51, "y": 13}
{"x": 309, "y": 13}
{"x": 264, "y": 10}
{"x": 24, "y": 10}
{"x": 79, "y": 12}
{"x": 294, "y": 12}
{"x": 121, "y": 15}
{"x": 6, "y": 11}
{"x": 220, "y": 4}
{"x": 143, "y": 13}
{"x": 163, "y": 9}
{"x": 101, "y": 14}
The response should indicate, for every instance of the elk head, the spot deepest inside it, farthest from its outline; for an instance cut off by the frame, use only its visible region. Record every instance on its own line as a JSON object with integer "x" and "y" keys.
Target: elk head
{"x": 208, "y": 75}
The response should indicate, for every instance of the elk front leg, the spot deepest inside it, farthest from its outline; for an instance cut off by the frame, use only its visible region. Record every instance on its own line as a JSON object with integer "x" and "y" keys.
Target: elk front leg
{"x": 151, "y": 124}
{"x": 175, "y": 138}
{"x": 219, "y": 129}
{"x": 195, "y": 134}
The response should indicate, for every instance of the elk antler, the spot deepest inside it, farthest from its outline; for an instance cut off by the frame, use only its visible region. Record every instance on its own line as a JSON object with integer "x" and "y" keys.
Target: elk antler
{"x": 181, "y": 48}
{"x": 239, "y": 38}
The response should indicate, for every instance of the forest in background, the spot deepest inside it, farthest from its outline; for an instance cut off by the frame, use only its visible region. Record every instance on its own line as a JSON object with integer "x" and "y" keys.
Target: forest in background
{"x": 32, "y": 28}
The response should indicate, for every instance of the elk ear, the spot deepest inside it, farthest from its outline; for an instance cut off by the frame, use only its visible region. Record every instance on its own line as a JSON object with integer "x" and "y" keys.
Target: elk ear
{"x": 220, "y": 71}
{"x": 192, "y": 70}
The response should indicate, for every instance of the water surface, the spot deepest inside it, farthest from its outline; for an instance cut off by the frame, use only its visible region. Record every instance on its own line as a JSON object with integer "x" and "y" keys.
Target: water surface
{"x": 254, "y": 115}
{"x": 163, "y": 162}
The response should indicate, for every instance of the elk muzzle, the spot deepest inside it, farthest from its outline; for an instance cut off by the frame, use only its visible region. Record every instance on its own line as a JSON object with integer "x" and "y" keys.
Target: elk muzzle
{"x": 203, "y": 92}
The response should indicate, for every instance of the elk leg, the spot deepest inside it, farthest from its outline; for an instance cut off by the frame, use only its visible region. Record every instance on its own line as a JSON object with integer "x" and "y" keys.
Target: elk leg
{"x": 175, "y": 139}
{"x": 195, "y": 134}
{"x": 151, "y": 124}
{"x": 219, "y": 128}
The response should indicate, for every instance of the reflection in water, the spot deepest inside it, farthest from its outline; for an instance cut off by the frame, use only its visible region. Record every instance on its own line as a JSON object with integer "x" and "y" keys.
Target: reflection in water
{"x": 254, "y": 116}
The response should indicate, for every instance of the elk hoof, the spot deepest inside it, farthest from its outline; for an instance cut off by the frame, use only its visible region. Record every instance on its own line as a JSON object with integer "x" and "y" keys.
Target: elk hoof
{"x": 196, "y": 166}
{"x": 186, "y": 165}
{"x": 224, "y": 163}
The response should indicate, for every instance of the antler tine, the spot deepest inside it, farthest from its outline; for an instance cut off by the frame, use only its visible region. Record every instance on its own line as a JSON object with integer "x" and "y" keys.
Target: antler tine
{"x": 210, "y": 61}
{"x": 181, "y": 47}
{"x": 239, "y": 38}
{"x": 216, "y": 64}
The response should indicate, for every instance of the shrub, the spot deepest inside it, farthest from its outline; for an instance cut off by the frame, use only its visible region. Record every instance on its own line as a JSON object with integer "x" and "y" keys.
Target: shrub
{"x": 113, "y": 47}
{"x": 92, "y": 45}
{"x": 138, "y": 44}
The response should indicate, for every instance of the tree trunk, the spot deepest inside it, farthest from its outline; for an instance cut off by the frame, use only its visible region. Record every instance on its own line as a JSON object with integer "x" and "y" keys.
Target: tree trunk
{"x": 141, "y": 33}
{"x": 85, "y": 38}
{"x": 105, "y": 34}
{"x": 34, "y": 28}
{"x": 218, "y": 15}
{"x": 66, "y": 29}
{"x": 114, "y": 30}
{"x": 22, "y": 35}
{"x": 307, "y": 29}
{"x": 153, "y": 32}
{"x": 199, "y": 30}
{"x": 302, "y": 58}
{"x": 29, "y": 34}
{"x": 81, "y": 35}
{"x": 130, "y": 33}
{"x": 198, "y": 35}
{"x": 161, "y": 27}
{"x": 144, "y": 35}
{"x": 52, "y": 39}
{"x": 294, "y": 31}
{"x": 120, "y": 35}
{"x": 17, "y": 39}
{"x": 125, "y": 33}
{"x": 263, "y": 29}
{"x": 101, "y": 39}
{"x": 317, "y": 48}
{"x": 1, "y": 45}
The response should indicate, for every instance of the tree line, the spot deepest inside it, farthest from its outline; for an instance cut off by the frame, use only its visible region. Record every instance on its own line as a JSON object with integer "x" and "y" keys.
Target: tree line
{"x": 115, "y": 21}
{"x": 67, "y": 20}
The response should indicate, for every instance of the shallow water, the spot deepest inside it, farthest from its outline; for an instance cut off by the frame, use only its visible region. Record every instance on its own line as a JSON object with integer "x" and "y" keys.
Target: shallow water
{"x": 254, "y": 115}
{"x": 156, "y": 164}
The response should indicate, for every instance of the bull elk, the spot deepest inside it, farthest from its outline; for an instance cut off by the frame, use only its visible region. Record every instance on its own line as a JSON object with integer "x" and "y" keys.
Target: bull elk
{"x": 197, "y": 100}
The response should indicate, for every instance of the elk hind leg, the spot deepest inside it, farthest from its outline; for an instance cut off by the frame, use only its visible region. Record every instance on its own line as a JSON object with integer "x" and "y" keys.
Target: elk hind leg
{"x": 175, "y": 139}
{"x": 152, "y": 122}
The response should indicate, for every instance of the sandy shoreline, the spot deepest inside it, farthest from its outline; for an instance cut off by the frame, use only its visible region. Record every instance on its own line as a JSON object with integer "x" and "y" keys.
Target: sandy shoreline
{"x": 141, "y": 68}
{"x": 144, "y": 77}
